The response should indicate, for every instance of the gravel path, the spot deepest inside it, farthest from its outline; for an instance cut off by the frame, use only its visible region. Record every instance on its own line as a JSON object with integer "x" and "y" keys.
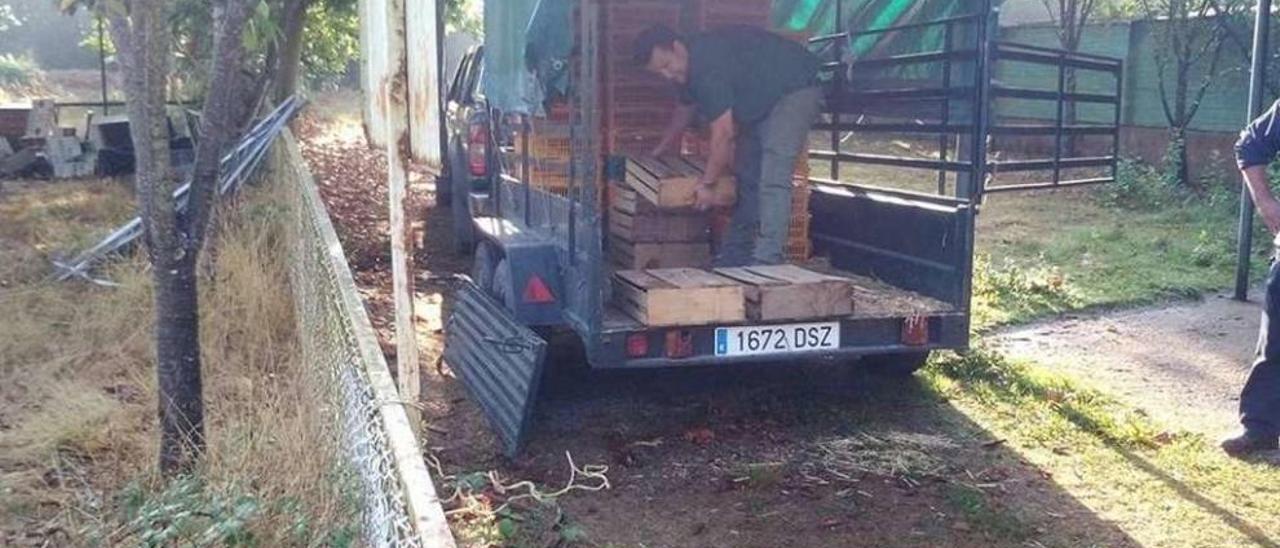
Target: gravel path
{"x": 1182, "y": 364}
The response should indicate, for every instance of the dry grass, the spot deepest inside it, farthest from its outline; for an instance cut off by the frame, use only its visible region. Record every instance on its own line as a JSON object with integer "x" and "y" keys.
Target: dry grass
{"x": 77, "y": 425}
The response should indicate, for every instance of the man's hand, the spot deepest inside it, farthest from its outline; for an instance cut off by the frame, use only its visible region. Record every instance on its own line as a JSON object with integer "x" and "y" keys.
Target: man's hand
{"x": 1269, "y": 210}
{"x": 703, "y": 198}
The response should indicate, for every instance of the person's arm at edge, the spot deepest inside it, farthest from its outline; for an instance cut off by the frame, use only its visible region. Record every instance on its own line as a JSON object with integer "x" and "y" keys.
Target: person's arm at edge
{"x": 722, "y": 133}
{"x": 1258, "y": 145}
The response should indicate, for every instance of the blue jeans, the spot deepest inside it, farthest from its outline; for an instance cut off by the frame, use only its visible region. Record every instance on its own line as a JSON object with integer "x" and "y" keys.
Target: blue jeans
{"x": 1260, "y": 398}
{"x": 764, "y": 162}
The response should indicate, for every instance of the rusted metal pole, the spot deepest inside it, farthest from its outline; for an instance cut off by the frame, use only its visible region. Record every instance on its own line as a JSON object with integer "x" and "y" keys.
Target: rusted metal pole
{"x": 395, "y": 87}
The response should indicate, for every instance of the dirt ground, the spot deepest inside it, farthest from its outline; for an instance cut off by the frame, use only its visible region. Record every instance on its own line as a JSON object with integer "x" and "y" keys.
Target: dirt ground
{"x": 1184, "y": 365}
{"x": 797, "y": 455}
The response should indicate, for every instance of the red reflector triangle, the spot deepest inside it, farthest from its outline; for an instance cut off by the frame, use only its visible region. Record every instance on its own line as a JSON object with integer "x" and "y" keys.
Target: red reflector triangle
{"x": 536, "y": 291}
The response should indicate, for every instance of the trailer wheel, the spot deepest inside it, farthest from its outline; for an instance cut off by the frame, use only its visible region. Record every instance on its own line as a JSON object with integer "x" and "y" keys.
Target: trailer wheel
{"x": 900, "y": 365}
{"x": 483, "y": 265}
{"x": 502, "y": 289}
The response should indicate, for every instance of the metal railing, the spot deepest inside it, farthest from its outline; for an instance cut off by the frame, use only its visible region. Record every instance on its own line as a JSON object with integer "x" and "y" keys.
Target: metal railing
{"x": 953, "y": 105}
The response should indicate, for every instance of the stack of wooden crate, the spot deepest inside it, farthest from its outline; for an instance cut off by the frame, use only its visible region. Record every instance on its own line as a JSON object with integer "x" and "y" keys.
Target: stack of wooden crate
{"x": 799, "y": 248}
{"x": 637, "y": 104}
{"x": 549, "y": 150}
{"x": 651, "y": 223}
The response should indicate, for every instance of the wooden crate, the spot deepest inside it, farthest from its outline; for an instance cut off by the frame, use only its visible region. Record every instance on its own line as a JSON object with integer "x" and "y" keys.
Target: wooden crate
{"x": 788, "y": 292}
{"x": 632, "y": 255}
{"x": 635, "y": 220}
{"x": 673, "y": 182}
{"x": 660, "y": 227}
{"x": 678, "y": 296}
{"x": 636, "y": 104}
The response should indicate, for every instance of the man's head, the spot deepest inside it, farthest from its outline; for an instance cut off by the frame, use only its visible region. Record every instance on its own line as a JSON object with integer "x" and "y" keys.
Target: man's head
{"x": 661, "y": 51}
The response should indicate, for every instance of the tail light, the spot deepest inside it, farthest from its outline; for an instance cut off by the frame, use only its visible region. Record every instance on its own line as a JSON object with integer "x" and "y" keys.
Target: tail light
{"x": 679, "y": 343}
{"x": 537, "y": 292}
{"x": 478, "y": 149}
{"x": 637, "y": 345}
{"x": 915, "y": 330}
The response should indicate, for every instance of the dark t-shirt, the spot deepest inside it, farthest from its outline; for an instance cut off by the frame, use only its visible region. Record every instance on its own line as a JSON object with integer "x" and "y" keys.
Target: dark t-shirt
{"x": 745, "y": 69}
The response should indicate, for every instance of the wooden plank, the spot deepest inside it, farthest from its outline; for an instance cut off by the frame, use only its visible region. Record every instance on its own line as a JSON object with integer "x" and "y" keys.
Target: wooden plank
{"x": 660, "y": 227}
{"x": 788, "y": 292}
{"x": 681, "y": 296}
{"x": 659, "y": 255}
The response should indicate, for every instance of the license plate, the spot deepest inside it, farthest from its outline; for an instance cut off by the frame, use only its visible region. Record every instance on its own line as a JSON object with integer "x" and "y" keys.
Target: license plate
{"x": 776, "y": 339}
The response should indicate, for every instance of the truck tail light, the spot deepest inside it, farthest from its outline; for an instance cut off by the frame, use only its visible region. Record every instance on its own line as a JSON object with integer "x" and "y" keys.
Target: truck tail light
{"x": 637, "y": 345}
{"x": 679, "y": 343}
{"x": 915, "y": 330}
{"x": 537, "y": 292}
{"x": 478, "y": 149}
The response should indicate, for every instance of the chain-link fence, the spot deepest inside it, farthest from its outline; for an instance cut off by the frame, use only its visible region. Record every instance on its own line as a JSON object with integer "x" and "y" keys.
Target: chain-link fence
{"x": 399, "y": 503}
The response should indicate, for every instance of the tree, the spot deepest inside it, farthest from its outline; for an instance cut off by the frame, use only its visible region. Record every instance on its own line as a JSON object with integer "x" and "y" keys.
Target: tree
{"x": 1071, "y": 17}
{"x": 1189, "y": 38}
{"x": 463, "y": 16}
{"x": 143, "y": 36}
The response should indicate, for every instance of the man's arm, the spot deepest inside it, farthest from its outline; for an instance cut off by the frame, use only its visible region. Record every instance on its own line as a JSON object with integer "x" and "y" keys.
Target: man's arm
{"x": 1258, "y": 145}
{"x": 681, "y": 117}
{"x": 722, "y": 133}
{"x": 1255, "y": 177}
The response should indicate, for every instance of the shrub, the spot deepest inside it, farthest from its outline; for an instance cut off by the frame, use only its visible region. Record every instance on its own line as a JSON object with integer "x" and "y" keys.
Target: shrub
{"x": 18, "y": 71}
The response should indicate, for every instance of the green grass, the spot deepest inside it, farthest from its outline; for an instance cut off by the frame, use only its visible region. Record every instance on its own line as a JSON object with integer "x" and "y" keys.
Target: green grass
{"x": 1047, "y": 253}
{"x": 1162, "y": 488}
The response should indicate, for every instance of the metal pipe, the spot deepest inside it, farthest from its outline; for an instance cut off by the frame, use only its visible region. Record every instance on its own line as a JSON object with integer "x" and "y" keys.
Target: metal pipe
{"x": 1257, "y": 75}
{"x": 102, "y": 66}
{"x": 1057, "y": 125}
{"x": 943, "y": 139}
{"x": 838, "y": 84}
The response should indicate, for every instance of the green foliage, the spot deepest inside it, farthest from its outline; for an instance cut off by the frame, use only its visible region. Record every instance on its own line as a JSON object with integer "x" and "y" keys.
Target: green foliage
{"x": 8, "y": 19}
{"x": 464, "y": 16}
{"x": 188, "y": 512}
{"x": 331, "y": 41}
{"x": 18, "y": 71}
{"x": 1138, "y": 187}
{"x": 1014, "y": 290}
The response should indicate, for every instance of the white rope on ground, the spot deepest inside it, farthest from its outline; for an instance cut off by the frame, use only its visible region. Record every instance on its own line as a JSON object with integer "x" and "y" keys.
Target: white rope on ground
{"x": 596, "y": 472}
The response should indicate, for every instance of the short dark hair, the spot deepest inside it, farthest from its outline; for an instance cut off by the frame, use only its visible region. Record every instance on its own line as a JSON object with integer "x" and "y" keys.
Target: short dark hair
{"x": 652, "y": 37}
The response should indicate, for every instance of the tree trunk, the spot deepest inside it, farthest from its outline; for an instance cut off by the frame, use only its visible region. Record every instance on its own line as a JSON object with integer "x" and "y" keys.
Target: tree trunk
{"x": 177, "y": 332}
{"x": 1178, "y": 155}
{"x": 290, "y": 60}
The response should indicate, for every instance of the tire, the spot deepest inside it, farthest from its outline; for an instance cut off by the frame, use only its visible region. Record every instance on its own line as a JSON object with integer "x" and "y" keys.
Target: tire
{"x": 502, "y": 287}
{"x": 464, "y": 232}
{"x": 897, "y": 366}
{"x": 483, "y": 264}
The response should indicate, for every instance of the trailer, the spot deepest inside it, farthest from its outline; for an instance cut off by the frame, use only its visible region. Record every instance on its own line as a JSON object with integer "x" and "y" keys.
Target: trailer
{"x": 544, "y": 259}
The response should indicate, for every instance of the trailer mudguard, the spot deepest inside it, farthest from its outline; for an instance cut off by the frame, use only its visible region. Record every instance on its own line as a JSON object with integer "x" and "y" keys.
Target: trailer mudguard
{"x": 499, "y": 360}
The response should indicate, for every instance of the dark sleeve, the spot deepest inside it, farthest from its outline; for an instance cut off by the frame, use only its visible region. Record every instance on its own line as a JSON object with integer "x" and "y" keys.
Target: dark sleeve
{"x": 686, "y": 96}
{"x": 1260, "y": 140}
{"x": 713, "y": 93}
